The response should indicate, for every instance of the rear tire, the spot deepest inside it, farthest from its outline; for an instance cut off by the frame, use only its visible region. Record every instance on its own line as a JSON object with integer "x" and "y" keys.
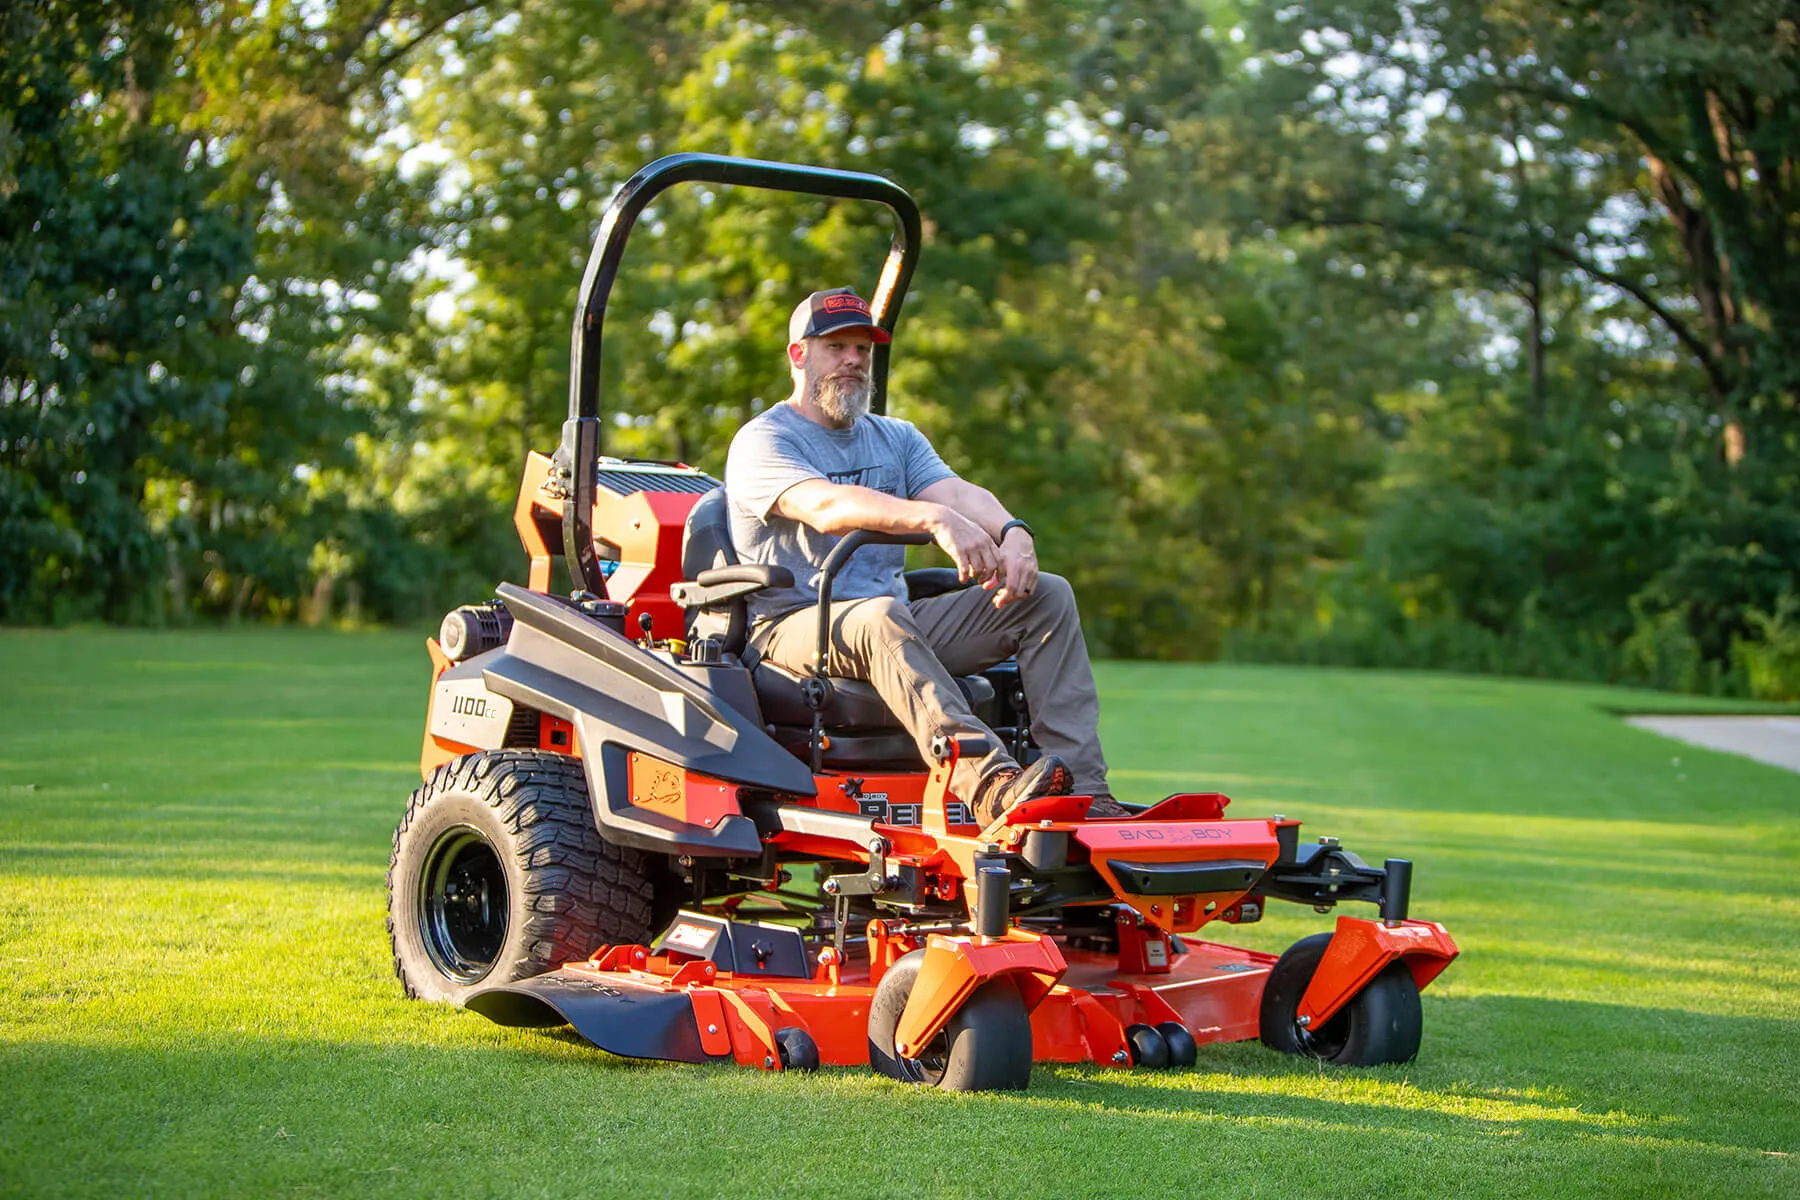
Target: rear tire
{"x": 985, "y": 1047}
{"x": 499, "y": 873}
{"x": 1383, "y": 1023}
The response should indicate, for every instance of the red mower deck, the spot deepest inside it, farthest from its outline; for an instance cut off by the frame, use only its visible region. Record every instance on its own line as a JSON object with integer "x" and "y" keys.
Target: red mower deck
{"x": 627, "y": 999}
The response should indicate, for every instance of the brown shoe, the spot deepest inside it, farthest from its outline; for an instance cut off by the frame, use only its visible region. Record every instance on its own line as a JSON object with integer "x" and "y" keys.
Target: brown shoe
{"x": 1010, "y": 787}
{"x": 1105, "y": 806}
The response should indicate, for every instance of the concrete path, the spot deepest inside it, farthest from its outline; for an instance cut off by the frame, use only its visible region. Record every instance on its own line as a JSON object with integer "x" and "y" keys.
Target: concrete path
{"x": 1773, "y": 740}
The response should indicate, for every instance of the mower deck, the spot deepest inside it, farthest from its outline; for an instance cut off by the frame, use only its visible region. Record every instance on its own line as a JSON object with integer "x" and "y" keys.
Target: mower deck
{"x": 673, "y": 1006}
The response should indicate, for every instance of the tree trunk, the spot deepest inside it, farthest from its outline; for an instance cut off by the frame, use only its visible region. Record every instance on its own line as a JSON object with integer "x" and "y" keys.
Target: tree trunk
{"x": 1711, "y": 278}
{"x": 178, "y": 589}
{"x": 317, "y": 610}
{"x": 240, "y": 599}
{"x": 1534, "y": 296}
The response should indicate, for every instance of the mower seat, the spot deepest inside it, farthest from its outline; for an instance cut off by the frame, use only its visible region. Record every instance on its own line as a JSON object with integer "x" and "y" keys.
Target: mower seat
{"x": 863, "y": 732}
{"x": 854, "y": 704}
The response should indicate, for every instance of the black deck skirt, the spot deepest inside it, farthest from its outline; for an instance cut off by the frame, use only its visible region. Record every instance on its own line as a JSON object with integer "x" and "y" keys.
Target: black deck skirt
{"x": 622, "y": 1018}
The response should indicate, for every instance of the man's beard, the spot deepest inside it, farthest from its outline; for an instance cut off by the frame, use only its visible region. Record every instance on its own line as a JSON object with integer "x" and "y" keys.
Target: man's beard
{"x": 841, "y": 398}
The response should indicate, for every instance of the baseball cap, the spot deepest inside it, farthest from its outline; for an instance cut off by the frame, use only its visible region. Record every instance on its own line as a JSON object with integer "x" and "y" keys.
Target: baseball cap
{"x": 823, "y": 312}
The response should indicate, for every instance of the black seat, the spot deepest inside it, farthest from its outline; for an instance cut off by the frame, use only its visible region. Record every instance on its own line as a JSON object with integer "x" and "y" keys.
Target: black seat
{"x": 854, "y": 703}
{"x": 864, "y": 733}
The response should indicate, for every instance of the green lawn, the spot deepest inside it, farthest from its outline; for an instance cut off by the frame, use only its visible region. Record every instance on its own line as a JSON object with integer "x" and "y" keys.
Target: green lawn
{"x": 198, "y": 998}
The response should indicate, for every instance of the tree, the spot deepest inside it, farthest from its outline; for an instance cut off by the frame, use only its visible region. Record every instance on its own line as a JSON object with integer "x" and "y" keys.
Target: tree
{"x": 1672, "y": 125}
{"x": 1598, "y": 183}
{"x": 195, "y": 244}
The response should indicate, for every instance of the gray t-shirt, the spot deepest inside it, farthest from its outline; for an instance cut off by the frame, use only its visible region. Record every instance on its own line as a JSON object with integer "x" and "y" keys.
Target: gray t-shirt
{"x": 779, "y": 448}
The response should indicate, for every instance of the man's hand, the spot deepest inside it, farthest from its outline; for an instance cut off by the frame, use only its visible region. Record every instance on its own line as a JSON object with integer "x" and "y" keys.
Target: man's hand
{"x": 969, "y": 547}
{"x": 1018, "y": 574}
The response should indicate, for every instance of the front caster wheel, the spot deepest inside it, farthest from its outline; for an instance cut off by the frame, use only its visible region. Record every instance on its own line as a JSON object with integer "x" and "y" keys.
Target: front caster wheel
{"x": 1148, "y": 1047}
{"x": 1381, "y": 1024}
{"x": 1183, "y": 1050}
{"x": 985, "y": 1046}
{"x": 798, "y": 1050}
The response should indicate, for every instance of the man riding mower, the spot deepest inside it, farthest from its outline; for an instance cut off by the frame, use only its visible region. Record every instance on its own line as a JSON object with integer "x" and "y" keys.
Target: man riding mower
{"x": 799, "y": 810}
{"x": 820, "y": 465}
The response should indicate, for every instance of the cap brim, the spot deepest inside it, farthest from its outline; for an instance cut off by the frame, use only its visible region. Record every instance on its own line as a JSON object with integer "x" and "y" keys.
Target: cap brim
{"x": 877, "y": 334}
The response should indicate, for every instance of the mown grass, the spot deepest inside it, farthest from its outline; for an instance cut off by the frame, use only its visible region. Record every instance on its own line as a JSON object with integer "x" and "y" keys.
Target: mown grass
{"x": 197, "y": 996}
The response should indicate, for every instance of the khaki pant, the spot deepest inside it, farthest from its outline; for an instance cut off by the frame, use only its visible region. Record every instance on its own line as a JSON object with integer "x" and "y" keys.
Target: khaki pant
{"x": 910, "y": 652}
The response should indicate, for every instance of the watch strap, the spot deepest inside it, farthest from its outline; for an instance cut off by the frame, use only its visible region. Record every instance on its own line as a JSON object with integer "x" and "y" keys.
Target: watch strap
{"x": 1011, "y": 525}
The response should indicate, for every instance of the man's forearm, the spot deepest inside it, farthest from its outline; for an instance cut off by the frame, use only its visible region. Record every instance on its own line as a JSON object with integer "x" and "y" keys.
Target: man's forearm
{"x": 838, "y": 508}
{"x": 972, "y": 501}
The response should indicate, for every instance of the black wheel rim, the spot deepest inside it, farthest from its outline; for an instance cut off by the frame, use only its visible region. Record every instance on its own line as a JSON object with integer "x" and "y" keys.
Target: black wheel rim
{"x": 462, "y": 904}
{"x": 930, "y": 1066}
{"x": 1329, "y": 1040}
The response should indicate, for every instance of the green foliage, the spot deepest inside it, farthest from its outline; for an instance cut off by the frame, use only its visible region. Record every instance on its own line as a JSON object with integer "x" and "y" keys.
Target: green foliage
{"x": 193, "y": 268}
{"x": 1460, "y": 334}
{"x": 1364, "y": 623}
{"x": 1621, "y": 441}
{"x": 1770, "y": 660}
{"x": 1662, "y": 652}
{"x": 115, "y": 314}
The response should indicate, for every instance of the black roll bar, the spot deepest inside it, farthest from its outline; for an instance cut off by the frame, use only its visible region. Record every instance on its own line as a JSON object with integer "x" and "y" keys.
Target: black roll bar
{"x": 580, "y": 453}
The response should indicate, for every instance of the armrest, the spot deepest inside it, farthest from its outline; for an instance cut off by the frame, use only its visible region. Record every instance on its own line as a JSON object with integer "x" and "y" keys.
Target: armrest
{"x": 761, "y": 574}
{"x": 933, "y": 581}
{"x": 719, "y": 585}
{"x": 855, "y": 540}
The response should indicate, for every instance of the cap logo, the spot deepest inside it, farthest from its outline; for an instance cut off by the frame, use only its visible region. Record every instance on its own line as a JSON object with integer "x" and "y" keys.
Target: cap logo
{"x": 843, "y": 303}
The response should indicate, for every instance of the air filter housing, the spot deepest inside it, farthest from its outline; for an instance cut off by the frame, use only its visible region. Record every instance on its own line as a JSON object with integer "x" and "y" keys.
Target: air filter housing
{"x": 474, "y": 629}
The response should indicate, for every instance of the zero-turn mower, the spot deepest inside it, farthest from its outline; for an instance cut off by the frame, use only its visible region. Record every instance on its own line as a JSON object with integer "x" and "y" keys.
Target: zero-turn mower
{"x": 630, "y": 826}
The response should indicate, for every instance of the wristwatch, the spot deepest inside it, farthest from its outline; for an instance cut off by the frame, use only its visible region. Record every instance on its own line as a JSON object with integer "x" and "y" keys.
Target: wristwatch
{"x": 1011, "y": 525}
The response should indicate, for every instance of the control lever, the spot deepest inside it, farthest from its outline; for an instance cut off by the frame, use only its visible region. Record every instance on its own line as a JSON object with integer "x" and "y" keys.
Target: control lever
{"x": 817, "y": 688}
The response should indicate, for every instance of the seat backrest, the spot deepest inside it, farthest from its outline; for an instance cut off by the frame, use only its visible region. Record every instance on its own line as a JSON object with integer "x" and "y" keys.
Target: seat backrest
{"x": 706, "y": 543}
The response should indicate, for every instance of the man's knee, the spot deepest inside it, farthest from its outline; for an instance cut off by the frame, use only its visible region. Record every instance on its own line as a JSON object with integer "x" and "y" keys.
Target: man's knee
{"x": 875, "y": 621}
{"x": 1054, "y": 594}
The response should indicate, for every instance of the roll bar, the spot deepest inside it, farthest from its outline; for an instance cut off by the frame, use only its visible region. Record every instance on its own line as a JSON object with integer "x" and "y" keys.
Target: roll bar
{"x": 580, "y": 452}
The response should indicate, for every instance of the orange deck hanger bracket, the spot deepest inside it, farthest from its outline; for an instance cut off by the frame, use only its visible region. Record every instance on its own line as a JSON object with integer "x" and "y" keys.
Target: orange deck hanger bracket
{"x": 1361, "y": 949}
{"x": 709, "y": 1018}
{"x": 1103, "y": 1034}
{"x": 752, "y": 1034}
{"x": 885, "y": 949}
